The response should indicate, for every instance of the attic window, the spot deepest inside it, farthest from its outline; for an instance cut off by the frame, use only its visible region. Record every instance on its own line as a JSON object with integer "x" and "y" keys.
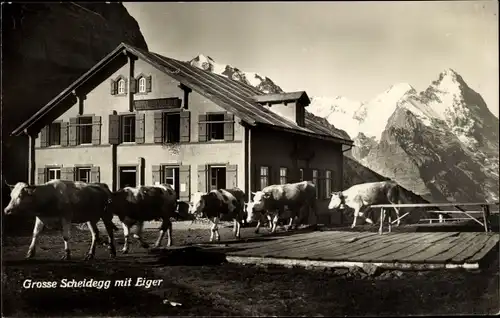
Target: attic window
{"x": 142, "y": 85}
{"x": 121, "y": 86}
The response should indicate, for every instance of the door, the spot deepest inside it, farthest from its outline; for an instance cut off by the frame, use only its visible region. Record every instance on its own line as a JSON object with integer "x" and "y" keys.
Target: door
{"x": 171, "y": 177}
{"x": 128, "y": 177}
{"x": 217, "y": 178}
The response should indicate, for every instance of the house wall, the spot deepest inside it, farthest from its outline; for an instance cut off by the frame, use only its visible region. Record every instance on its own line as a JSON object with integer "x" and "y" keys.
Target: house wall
{"x": 274, "y": 149}
{"x": 100, "y": 102}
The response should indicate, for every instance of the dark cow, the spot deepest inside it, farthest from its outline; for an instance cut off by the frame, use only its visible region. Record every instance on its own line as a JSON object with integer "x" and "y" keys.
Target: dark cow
{"x": 361, "y": 196}
{"x": 64, "y": 202}
{"x": 136, "y": 205}
{"x": 273, "y": 201}
{"x": 217, "y": 204}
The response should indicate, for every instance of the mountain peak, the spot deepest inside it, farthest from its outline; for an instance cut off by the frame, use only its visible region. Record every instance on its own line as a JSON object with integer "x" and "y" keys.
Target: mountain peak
{"x": 449, "y": 77}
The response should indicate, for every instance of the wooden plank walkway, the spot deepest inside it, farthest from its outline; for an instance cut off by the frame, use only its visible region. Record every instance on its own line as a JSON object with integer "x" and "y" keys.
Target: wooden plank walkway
{"x": 409, "y": 250}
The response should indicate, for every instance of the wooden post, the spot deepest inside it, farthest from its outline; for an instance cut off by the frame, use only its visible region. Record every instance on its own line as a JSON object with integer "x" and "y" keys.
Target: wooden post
{"x": 31, "y": 158}
{"x": 382, "y": 217}
{"x": 390, "y": 223}
{"x": 141, "y": 170}
{"x": 486, "y": 216}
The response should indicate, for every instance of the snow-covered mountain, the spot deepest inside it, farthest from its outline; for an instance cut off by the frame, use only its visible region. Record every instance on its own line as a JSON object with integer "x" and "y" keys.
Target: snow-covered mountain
{"x": 263, "y": 83}
{"x": 441, "y": 143}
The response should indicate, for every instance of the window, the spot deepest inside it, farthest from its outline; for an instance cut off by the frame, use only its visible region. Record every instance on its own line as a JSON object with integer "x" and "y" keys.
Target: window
{"x": 121, "y": 86}
{"x": 315, "y": 181}
{"x": 264, "y": 177}
{"x": 53, "y": 174}
{"x": 83, "y": 174}
{"x": 128, "y": 128}
{"x": 171, "y": 176}
{"x": 171, "y": 127}
{"x": 328, "y": 183}
{"x": 54, "y": 134}
{"x": 142, "y": 85}
{"x": 217, "y": 178}
{"x": 215, "y": 126}
{"x": 283, "y": 175}
{"x": 301, "y": 174}
{"x": 85, "y": 130}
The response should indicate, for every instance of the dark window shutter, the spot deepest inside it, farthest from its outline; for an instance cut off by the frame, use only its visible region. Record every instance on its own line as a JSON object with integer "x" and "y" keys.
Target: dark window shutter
{"x": 68, "y": 173}
{"x": 64, "y": 134}
{"x": 41, "y": 173}
{"x": 148, "y": 84}
{"x": 156, "y": 174}
{"x": 114, "y": 129}
{"x": 185, "y": 179}
{"x": 136, "y": 82}
{"x": 231, "y": 176}
{"x": 95, "y": 175}
{"x": 133, "y": 86}
{"x": 44, "y": 136}
{"x": 202, "y": 127}
{"x": 256, "y": 178}
{"x": 185, "y": 126}
{"x": 73, "y": 131}
{"x": 114, "y": 87}
{"x": 139, "y": 128}
{"x": 158, "y": 127}
{"x": 228, "y": 126}
{"x": 202, "y": 178}
{"x": 96, "y": 130}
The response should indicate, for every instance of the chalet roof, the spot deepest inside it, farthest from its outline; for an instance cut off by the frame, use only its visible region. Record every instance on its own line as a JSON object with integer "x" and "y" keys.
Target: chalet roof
{"x": 283, "y": 97}
{"x": 232, "y": 95}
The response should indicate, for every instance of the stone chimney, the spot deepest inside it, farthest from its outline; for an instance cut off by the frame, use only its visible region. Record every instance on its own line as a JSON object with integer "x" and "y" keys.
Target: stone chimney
{"x": 288, "y": 105}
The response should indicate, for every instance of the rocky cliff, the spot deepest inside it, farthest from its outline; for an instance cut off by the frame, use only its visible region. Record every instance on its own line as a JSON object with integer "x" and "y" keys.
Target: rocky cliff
{"x": 45, "y": 48}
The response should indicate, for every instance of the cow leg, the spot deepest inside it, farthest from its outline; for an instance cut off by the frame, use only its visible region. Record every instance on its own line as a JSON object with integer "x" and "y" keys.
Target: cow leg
{"x": 237, "y": 227}
{"x": 290, "y": 223}
{"x": 36, "y": 231}
{"x": 138, "y": 235}
{"x": 94, "y": 231}
{"x": 66, "y": 232}
{"x": 166, "y": 226}
{"x": 215, "y": 230}
{"x": 259, "y": 223}
{"x": 108, "y": 224}
{"x": 354, "y": 221}
{"x": 274, "y": 223}
{"x": 397, "y": 215}
{"x": 126, "y": 233}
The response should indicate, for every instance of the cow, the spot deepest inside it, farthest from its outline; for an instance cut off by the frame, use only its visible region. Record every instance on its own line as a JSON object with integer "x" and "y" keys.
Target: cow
{"x": 217, "y": 204}
{"x": 66, "y": 202}
{"x": 361, "y": 196}
{"x": 135, "y": 205}
{"x": 299, "y": 198}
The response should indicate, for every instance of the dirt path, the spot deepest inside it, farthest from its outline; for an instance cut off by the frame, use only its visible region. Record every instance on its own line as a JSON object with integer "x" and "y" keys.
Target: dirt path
{"x": 226, "y": 289}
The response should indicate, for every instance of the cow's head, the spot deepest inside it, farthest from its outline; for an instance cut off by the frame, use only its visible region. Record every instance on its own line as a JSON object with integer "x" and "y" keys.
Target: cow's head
{"x": 21, "y": 198}
{"x": 197, "y": 204}
{"x": 255, "y": 207}
{"x": 337, "y": 201}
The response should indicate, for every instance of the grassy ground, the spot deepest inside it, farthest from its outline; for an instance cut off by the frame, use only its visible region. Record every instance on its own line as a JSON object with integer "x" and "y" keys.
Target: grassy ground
{"x": 226, "y": 289}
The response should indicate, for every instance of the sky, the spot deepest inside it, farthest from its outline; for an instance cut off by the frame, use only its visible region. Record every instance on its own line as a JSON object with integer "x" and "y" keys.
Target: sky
{"x": 352, "y": 49}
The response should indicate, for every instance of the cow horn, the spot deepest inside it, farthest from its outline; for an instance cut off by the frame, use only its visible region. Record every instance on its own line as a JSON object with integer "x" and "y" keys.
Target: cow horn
{"x": 9, "y": 185}
{"x": 253, "y": 193}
